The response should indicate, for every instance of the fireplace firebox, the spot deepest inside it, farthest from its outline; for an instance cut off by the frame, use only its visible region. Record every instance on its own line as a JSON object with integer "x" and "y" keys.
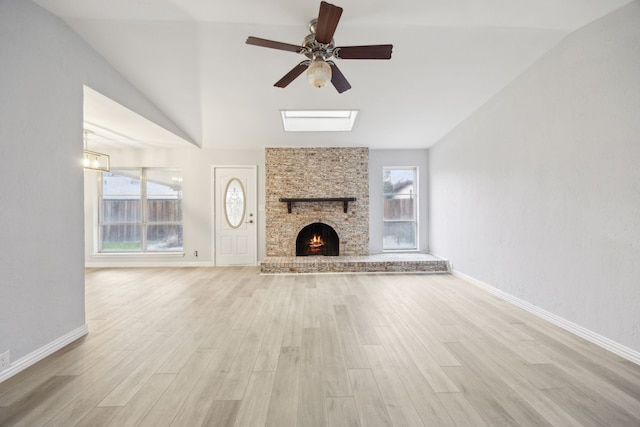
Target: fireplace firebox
{"x": 317, "y": 239}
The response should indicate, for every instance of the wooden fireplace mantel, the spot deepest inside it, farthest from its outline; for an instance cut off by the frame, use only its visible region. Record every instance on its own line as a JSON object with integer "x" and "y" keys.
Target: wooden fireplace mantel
{"x": 345, "y": 201}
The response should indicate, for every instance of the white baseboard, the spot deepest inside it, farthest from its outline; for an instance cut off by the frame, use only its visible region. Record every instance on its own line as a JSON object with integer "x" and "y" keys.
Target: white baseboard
{"x": 160, "y": 264}
{"x": 36, "y": 356}
{"x": 578, "y": 330}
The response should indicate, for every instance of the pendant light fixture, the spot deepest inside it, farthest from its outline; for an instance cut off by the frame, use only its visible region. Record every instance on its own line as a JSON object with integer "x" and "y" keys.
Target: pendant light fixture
{"x": 92, "y": 160}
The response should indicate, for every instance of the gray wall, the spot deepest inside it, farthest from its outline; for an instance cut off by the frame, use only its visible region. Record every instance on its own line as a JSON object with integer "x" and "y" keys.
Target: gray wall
{"x": 538, "y": 193}
{"x": 379, "y": 159}
{"x": 44, "y": 66}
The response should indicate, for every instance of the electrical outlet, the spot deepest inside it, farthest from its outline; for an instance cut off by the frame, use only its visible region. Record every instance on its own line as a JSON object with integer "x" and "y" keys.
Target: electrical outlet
{"x": 195, "y": 253}
{"x": 4, "y": 360}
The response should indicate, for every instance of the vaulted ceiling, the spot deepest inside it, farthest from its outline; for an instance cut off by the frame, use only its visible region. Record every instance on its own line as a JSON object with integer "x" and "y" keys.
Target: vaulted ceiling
{"x": 190, "y": 59}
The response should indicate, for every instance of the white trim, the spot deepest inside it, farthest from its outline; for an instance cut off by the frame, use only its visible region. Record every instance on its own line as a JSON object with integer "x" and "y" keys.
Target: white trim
{"x": 141, "y": 259}
{"x": 133, "y": 255}
{"x": 599, "y": 340}
{"x": 116, "y": 264}
{"x": 36, "y": 356}
{"x": 417, "y": 208}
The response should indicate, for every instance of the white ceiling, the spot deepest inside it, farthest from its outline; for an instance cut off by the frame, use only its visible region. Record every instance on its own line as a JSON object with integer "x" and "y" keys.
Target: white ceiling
{"x": 190, "y": 59}
{"x": 109, "y": 124}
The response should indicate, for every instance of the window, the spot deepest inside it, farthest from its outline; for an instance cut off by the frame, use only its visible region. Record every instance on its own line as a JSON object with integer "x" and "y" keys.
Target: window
{"x": 140, "y": 210}
{"x": 400, "y": 228}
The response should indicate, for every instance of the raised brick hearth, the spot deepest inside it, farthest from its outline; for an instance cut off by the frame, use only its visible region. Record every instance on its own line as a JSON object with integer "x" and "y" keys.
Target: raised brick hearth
{"x": 379, "y": 263}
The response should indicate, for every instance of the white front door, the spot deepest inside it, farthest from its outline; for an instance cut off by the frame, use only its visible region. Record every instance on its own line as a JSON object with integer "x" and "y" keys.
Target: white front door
{"x": 235, "y": 227}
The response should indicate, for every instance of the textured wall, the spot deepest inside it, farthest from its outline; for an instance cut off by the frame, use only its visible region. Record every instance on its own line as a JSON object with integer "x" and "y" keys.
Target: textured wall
{"x": 41, "y": 266}
{"x": 317, "y": 172}
{"x": 538, "y": 193}
{"x": 43, "y": 67}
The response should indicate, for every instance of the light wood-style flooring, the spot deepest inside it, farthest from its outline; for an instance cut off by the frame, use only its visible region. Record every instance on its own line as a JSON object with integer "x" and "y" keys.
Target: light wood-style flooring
{"x": 229, "y": 347}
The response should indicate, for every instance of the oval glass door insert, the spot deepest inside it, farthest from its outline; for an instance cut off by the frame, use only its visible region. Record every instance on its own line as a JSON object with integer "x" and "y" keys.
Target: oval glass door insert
{"x": 234, "y": 206}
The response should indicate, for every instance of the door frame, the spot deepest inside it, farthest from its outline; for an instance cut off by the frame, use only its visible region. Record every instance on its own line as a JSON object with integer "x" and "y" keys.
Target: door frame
{"x": 215, "y": 212}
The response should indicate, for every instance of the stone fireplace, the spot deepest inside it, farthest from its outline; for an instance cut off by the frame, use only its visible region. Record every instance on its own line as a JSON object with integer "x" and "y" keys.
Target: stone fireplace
{"x": 328, "y": 186}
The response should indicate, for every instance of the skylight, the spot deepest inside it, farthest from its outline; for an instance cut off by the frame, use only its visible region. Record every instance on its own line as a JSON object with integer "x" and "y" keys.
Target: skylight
{"x": 318, "y": 120}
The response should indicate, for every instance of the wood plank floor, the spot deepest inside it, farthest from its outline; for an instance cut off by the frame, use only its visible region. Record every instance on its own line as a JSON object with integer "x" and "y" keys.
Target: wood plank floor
{"x": 228, "y": 347}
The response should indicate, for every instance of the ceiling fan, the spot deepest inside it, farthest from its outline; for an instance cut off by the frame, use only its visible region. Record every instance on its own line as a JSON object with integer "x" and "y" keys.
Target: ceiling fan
{"x": 319, "y": 47}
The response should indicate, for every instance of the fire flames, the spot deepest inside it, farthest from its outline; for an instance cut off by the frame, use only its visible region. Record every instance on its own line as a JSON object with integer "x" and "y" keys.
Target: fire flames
{"x": 315, "y": 244}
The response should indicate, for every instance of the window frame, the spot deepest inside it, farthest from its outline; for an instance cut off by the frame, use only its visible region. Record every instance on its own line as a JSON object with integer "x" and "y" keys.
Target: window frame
{"x": 416, "y": 209}
{"x": 144, "y": 222}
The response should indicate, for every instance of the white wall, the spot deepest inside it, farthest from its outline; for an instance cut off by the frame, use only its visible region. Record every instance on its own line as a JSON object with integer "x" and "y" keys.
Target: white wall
{"x": 538, "y": 193}
{"x": 379, "y": 159}
{"x": 43, "y": 67}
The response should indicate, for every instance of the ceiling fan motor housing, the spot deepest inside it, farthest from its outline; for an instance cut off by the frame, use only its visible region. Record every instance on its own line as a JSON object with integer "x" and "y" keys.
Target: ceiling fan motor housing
{"x": 313, "y": 48}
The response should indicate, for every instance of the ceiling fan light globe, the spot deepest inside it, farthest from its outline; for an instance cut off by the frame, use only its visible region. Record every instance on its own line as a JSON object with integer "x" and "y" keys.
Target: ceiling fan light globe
{"x": 319, "y": 73}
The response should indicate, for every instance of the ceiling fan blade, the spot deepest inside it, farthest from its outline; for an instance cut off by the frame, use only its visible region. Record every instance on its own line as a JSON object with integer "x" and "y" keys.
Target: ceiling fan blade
{"x": 328, "y": 19}
{"x": 291, "y": 75}
{"x": 380, "y": 51}
{"x": 338, "y": 80}
{"x": 274, "y": 45}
